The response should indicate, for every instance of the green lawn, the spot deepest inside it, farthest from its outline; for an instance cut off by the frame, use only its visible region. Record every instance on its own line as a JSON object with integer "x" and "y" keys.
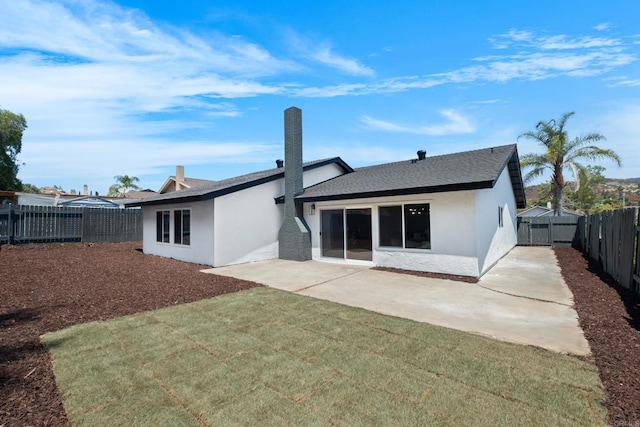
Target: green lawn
{"x": 268, "y": 357}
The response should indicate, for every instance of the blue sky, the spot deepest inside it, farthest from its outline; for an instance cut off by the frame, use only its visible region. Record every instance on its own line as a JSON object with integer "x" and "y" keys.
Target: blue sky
{"x": 136, "y": 87}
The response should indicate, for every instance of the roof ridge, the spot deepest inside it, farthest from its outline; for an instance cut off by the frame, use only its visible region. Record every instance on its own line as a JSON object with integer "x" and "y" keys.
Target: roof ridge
{"x": 437, "y": 156}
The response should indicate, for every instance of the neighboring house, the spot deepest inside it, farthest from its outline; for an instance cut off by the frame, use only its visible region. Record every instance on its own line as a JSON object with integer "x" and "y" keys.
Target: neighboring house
{"x": 38, "y": 199}
{"x": 89, "y": 202}
{"x": 538, "y": 211}
{"x": 140, "y": 194}
{"x": 451, "y": 214}
{"x": 179, "y": 182}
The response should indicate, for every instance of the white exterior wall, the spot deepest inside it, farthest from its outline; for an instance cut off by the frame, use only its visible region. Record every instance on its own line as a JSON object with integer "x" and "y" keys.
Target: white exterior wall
{"x": 321, "y": 174}
{"x": 200, "y": 251}
{"x": 248, "y": 221}
{"x": 247, "y": 224}
{"x": 493, "y": 241}
{"x": 453, "y": 230}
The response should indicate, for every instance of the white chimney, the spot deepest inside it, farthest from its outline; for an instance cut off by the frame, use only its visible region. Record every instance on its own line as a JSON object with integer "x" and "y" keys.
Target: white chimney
{"x": 180, "y": 173}
{"x": 179, "y": 177}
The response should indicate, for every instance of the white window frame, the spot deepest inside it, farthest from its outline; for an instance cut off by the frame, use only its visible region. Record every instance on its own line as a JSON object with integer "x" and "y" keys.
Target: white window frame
{"x": 181, "y": 242}
{"x": 404, "y": 245}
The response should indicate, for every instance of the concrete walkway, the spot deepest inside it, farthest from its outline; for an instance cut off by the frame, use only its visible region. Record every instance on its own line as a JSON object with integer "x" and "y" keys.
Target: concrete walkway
{"x": 522, "y": 299}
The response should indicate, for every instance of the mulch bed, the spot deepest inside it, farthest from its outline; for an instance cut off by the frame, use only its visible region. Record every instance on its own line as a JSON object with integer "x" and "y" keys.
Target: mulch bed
{"x": 52, "y": 286}
{"x": 610, "y": 317}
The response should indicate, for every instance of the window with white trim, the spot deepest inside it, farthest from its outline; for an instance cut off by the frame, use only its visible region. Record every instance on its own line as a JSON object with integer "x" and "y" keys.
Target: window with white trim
{"x": 182, "y": 226}
{"x": 405, "y": 226}
{"x": 500, "y": 217}
{"x": 163, "y": 219}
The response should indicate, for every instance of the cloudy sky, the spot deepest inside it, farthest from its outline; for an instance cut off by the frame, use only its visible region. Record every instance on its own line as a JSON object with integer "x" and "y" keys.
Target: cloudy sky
{"x": 136, "y": 87}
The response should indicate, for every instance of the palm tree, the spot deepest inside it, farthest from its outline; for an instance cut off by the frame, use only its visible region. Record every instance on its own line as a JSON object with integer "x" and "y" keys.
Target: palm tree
{"x": 562, "y": 153}
{"x": 124, "y": 184}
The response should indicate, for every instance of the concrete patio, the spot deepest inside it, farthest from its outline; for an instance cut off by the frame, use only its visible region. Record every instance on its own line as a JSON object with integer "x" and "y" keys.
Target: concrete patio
{"x": 522, "y": 299}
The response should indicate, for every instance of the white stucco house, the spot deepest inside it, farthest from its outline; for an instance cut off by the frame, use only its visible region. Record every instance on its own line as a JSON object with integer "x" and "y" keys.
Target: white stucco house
{"x": 453, "y": 213}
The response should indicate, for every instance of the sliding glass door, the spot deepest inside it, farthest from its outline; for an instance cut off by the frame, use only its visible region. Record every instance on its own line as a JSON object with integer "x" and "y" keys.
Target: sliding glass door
{"x": 333, "y": 233}
{"x": 347, "y": 228}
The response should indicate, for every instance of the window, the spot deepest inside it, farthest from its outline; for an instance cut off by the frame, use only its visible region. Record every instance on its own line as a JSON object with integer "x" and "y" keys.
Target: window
{"x": 182, "y": 227}
{"x": 162, "y": 226}
{"x": 413, "y": 219}
{"x": 417, "y": 230}
{"x": 500, "y": 216}
{"x": 390, "y": 226}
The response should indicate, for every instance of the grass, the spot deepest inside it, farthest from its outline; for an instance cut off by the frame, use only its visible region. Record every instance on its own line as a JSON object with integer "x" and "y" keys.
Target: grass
{"x": 267, "y": 357}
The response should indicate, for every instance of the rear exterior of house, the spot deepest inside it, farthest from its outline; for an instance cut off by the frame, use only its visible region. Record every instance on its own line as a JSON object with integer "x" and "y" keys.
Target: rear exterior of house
{"x": 453, "y": 214}
{"x": 463, "y": 231}
{"x": 227, "y": 222}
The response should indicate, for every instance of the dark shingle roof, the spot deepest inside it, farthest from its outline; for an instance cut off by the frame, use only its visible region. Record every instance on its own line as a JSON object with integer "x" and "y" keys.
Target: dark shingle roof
{"x": 231, "y": 185}
{"x": 451, "y": 172}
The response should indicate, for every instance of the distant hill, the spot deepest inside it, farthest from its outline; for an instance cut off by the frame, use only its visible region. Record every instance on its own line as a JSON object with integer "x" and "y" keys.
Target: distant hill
{"x": 630, "y": 187}
{"x": 623, "y": 181}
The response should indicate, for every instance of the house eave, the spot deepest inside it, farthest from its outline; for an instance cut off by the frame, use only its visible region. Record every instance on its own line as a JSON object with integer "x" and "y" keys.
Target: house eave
{"x": 394, "y": 192}
{"x": 176, "y": 198}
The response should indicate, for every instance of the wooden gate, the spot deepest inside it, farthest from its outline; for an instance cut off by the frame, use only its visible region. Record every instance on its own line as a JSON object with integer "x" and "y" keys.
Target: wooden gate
{"x": 548, "y": 231}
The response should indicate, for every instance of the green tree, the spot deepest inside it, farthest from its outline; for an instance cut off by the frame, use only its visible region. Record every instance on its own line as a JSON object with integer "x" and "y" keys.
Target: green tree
{"x": 544, "y": 195}
{"x": 29, "y": 188}
{"x": 12, "y": 127}
{"x": 585, "y": 198}
{"x": 560, "y": 154}
{"x": 123, "y": 184}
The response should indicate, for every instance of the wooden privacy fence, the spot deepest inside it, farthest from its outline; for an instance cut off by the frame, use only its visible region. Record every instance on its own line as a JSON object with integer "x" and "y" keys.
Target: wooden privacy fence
{"x": 38, "y": 224}
{"x": 548, "y": 231}
{"x": 611, "y": 239}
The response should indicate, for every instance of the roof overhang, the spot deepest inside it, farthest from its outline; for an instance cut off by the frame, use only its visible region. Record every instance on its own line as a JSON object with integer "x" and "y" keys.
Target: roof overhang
{"x": 517, "y": 183}
{"x": 394, "y": 192}
{"x": 177, "y": 198}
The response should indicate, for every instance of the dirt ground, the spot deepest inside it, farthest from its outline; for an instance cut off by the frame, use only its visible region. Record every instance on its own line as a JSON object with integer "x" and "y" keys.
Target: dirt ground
{"x": 53, "y": 286}
{"x": 610, "y": 318}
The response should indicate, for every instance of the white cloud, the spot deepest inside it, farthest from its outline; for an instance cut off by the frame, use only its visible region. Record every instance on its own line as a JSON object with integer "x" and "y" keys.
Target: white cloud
{"x": 602, "y": 26}
{"x": 623, "y": 81}
{"x": 487, "y": 101}
{"x": 324, "y": 55}
{"x": 533, "y": 58}
{"x": 456, "y": 124}
{"x": 519, "y": 39}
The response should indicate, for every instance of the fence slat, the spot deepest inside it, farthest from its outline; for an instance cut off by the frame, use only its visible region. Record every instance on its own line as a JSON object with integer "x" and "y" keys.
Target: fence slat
{"x": 612, "y": 241}
{"x": 36, "y": 224}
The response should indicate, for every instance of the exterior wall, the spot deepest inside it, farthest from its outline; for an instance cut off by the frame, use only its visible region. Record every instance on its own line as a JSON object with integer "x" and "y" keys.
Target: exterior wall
{"x": 494, "y": 242}
{"x": 245, "y": 228}
{"x": 453, "y": 231}
{"x": 200, "y": 251}
{"x": 321, "y": 174}
{"x": 248, "y": 221}
{"x": 247, "y": 224}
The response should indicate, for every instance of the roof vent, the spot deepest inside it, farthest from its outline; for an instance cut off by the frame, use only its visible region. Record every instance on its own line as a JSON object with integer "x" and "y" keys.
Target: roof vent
{"x": 422, "y": 154}
{"x": 280, "y": 163}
